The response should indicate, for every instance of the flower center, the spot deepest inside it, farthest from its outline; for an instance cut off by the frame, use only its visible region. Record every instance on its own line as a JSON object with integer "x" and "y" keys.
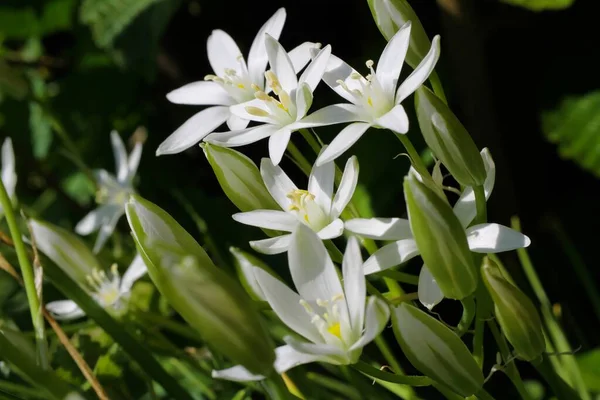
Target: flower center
{"x": 328, "y": 322}
{"x": 307, "y": 210}
{"x": 106, "y": 290}
{"x": 113, "y": 194}
{"x": 368, "y": 93}
{"x": 235, "y": 82}
{"x": 281, "y": 109}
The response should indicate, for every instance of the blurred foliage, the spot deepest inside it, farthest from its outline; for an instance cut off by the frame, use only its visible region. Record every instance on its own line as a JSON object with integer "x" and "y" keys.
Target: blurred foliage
{"x": 540, "y": 5}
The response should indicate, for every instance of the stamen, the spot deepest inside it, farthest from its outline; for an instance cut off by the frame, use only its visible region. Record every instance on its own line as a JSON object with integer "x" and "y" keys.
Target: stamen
{"x": 335, "y": 330}
{"x": 258, "y": 112}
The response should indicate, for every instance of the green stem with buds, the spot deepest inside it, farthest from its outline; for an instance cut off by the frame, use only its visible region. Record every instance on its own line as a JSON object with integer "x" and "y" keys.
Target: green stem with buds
{"x": 415, "y": 158}
{"x": 28, "y": 278}
{"x": 373, "y": 372}
{"x": 468, "y": 315}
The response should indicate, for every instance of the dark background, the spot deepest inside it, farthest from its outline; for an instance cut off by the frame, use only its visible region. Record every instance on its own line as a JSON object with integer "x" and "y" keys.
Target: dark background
{"x": 502, "y": 67}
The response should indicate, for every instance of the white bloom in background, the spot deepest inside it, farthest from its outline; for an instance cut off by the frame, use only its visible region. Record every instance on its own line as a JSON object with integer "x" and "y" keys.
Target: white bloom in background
{"x": 233, "y": 82}
{"x": 376, "y": 99}
{"x": 8, "y": 174}
{"x": 111, "y": 292}
{"x": 482, "y": 238}
{"x": 316, "y": 207}
{"x": 335, "y": 320}
{"x": 277, "y": 112}
{"x": 113, "y": 193}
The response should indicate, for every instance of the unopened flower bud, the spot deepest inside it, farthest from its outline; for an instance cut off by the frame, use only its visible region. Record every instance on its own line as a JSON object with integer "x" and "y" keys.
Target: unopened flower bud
{"x": 245, "y": 264}
{"x": 390, "y": 15}
{"x": 515, "y": 313}
{"x": 436, "y": 351}
{"x": 239, "y": 178}
{"x": 206, "y": 297}
{"x": 441, "y": 239}
{"x": 448, "y": 139}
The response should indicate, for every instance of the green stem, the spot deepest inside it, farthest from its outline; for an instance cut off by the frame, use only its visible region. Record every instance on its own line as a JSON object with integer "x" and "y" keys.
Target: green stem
{"x": 448, "y": 393}
{"x": 560, "y": 387}
{"x": 373, "y": 372}
{"x": 299, "y": 158}
{"x": 483, "y": 395}
{"x": 436, "y": 85}
{"x": 480, "y": 204}
{"x": 158, "y": 321}
{"x": 28, "y": 278}
{"x": 20, "y": 390}
{"x": 336, "y": 255}
{"x": 569, "y": 364}
{"x": 394, "y": 364}
{"x": 415, "y": 158}
{"x": 312, "y": 142}
{"x": 510, "y": 368}
{"x": 276, "y": 389}
{"x": 349, "y": 392}
{"x": 468, "y": 315}
{"x": 400, "y": 276}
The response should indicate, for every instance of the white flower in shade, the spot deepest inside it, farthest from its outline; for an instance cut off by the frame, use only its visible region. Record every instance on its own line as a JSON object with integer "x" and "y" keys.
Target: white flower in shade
{"x": 288, "y": 103}
{"x": 375, "y": 99}
{"x": 233, "y": 82}
{"x": 482, "y": 238}
{"x": 113, "y": 192}
{"x": 316, "y": 207}
{"x": 111, "y": 292}
{"x": 8, "y": 174}
{"x": 335, "y": 320}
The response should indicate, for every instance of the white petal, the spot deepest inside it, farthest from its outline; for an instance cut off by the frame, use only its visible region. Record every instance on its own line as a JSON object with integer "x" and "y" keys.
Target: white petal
{"x": 236, "y": 123}
{"x": 278, "y": 142}
{"x": 136, "y": 270}
{"x": 301, "y": 54}
{"x": 354, "y": 285}
{"x": 193, "y": 130}
{"x": 380, "y": 228}
{"x": 236, "y": 374}
{"x": 241, "y": 138}
{"x": 64, "y": 309}
{"x": 286, "y": 304}
{"x": 376, "y": 317}
{"x": 268, "y": 219}
{"x": 134, "y": 161}
{"x": 391, "y": 255}
{"x": 342, "y": 142}
{"x": 96, "y": 218}
{"x": 465, "y": 208}
{"x": 320, "y": 184}
{"x": 315, "y": 70}
{"x": 421, "y": 72}
{"x": 107, "y": 229}
{"x": 333, "y": 230}
{"x": 395, "y": 120}
{"x": 391, "y": 60}
{"x": 429, "y": 292}
{"x": 346, "y": 188}
{"x": 276, "y": 245}
{"x": 312, "y": 270}
{"x": 495, "y": 238}
{"x": 120, "y": 155}
{"x": 281, "y": 64}
{"x": 8, "y": 174}
{"x": 321, "y": 350}
{"x": 286, "y": 358}
{"x": 201, "y": 93}
{"x": 304, "y": 99}
{"x": 223, "y": 53}
{"x": 241, "y": 111}
{"x": 277, "y": 182}
{"x": 257, "y": 57}
{"x": 338, "y": 70}
{"x": 331, "y": 115}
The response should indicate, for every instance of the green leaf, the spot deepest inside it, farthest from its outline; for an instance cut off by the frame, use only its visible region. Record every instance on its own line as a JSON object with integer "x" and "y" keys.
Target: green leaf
{"x": 25, "y": 22}
{"x": 575, "y": 127}
{"x": 540, "y": 5}
{"x": 589, "y": 365}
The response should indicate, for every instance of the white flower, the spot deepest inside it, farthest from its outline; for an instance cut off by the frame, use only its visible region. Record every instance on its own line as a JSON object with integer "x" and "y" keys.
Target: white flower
{"x": 113, "y": 193}
{"x": 233, "y": 82}
{"x": 111, "y": 292}
{"x": 8, "y": 174}
{"x": 482, "y": 238}
{"x": 316, "y": 207}
{"x": 336, "y": 321}
{"x": 277, "y": 112}
{"x": 376, "y": 100}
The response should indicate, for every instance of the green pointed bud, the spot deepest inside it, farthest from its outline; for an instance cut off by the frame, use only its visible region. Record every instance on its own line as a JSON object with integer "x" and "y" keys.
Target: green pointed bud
{"x": 245, "y": 264}
{"x": 65, "y": 250}
{"x": 211, "y": 301}
{"x": 441, "y": 239}
{"x": 239, "y": 178}
{"x": 448, "y": 139}
{"x": 436, "y": 351}
{"x": 390, "y": 15}
{"x": 515, "y": 313}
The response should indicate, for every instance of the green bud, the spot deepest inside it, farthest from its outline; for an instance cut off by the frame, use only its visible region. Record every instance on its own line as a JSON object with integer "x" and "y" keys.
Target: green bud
{"x": 206, "y": 297}
{"x": 436, "y": 351}
{"x": 239, "y": 178}
{"x": 448, "y": 139}
{"x": 65, "y": 249}
{"x": 515, "y": 312}
{"x": 390, "y": 15}
{"x": 441, "y": 239}
{"x": 245, "y": 264}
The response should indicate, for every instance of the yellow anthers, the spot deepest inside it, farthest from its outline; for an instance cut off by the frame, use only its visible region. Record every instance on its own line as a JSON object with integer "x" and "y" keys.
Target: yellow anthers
{"x": 299, "y": 198}
{"x": 370, "y": 101}
{"x": 260, "y": 95}
{"x": 369, "y": 64}
{"x": 338, "y": 297}
{"x": 230, "y": 71}
{"x": 214, "y": 78}
{"x": 335, "y": 330}
{"x": 258, "y": 112}
{"x": 306, "y": 306}
{"x": 273, "y": 82}
{"x": 255, "y": 87}
{"x": 355, "y": 75}
{"x": 241, "y": 86}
